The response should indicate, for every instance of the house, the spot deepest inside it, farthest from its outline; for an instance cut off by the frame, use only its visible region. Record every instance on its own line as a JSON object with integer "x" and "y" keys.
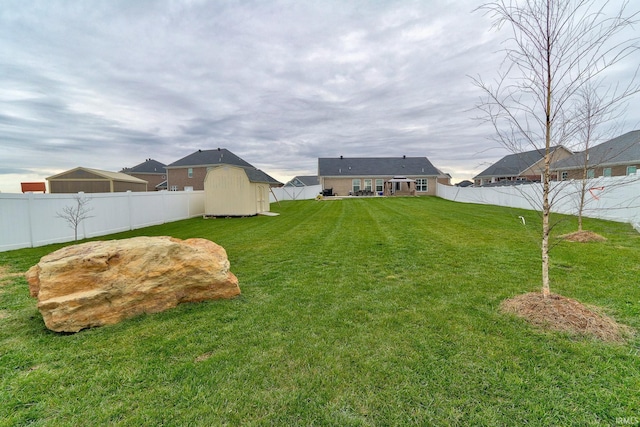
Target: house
{"x": 89, "y": 180}
{"x": 519, "y": 167}
{"x": 190, "y": 172}
{"x": 379, "y": 176}
{"x": 617, "y": 157}
{"x": 236, "y": 191}
{"x": 303, "y": 181}
{"x": 151, "y": 171}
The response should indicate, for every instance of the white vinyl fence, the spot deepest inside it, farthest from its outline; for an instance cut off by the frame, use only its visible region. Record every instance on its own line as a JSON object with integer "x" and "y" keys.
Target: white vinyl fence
{"x": 29, "y": 220}
{"x": 612, "y": 198}
{"x": 295, "y": 193}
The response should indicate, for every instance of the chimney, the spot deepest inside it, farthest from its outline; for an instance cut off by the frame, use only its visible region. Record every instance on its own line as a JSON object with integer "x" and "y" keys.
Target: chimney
{"x": 341, "y": 157}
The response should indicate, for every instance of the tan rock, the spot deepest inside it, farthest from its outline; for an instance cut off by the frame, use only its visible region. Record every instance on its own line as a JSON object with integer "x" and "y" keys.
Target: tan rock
{"x": 102, "y": 283}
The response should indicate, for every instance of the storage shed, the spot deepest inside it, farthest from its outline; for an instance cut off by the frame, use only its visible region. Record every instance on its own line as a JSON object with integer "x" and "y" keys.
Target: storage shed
{"x": 94, "y": 181}
{"x": 236, "y": 191}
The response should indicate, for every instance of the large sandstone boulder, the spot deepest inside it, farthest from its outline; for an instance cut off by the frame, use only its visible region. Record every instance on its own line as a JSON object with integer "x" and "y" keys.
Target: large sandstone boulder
{"x": 102, "y": 283}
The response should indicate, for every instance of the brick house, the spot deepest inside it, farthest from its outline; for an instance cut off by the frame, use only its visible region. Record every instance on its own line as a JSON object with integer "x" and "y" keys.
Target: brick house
{"x": 189, "y": 173}
{"x": 151, "y": 171}
{"x": 415, "y": 176}
{"x": 527, "y": 166}
{"x": 617, "y": 157}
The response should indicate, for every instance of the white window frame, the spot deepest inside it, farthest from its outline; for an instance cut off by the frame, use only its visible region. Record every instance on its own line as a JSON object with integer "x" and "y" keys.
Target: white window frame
{"x": 190, "y": 172}
{"x": 356, "y": 184}
{"x": 422, "y": 185}
{"x": 631, "y": 170}
{"x": 606, "y": 172}
{"x": 368, "y": 185}
{"x": 173, "y": 188}
{"x": 379, "y": 185}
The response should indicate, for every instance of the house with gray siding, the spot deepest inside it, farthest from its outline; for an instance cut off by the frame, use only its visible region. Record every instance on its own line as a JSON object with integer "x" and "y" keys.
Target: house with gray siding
{"x": 189, "y": 172}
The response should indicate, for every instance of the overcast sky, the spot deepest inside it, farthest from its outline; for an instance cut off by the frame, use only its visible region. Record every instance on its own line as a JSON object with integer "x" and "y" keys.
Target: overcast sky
{"x": 107, "y": 84}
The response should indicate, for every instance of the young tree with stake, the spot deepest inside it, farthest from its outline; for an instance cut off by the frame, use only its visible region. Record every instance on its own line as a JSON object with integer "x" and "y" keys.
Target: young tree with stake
{"x": 556, "y": 48}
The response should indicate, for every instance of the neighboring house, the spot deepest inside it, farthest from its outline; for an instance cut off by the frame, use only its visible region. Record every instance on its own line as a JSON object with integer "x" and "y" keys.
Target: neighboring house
{"x": 617, "y": 157}
{"x": 189, "y": 172}
{"x": 380, "y": 176}
{"x": 151, "y": 171}
{"x": 303, "y": 181}
{"x": 519, "y": 167}
{"x": 94, "y": 181}
{"x": 236, "y": 191}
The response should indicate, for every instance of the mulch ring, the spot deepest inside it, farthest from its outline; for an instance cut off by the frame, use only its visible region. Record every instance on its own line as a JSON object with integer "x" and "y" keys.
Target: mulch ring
{"x": 567, "y": 315}
{"x": 583, "y": 237}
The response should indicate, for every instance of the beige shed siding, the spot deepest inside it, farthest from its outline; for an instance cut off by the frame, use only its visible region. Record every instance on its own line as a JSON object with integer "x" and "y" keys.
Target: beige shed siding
{"x": 228, "y": 192}
{"x": 121, "y": 186}
{"x": 62, "y": 186}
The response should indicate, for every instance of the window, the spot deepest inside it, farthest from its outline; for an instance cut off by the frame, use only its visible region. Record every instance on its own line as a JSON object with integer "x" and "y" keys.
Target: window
{"x": 421, "y": 184}
{"x": 379, "y": 185}
{"x": 173, "y": 188}
{"x": 591, "y": 173}
{"x": 606, "y": 172}
{"x": 564, "y": 175}
{"x": 367, "y": 185}
{"x": 190, "y": 172}
{"x": 355, "y": 183}
{"x": 631, "y": 170}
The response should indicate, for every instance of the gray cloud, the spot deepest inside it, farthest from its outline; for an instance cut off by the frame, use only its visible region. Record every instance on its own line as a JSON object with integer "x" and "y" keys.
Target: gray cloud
{"x": 106, "y": 84}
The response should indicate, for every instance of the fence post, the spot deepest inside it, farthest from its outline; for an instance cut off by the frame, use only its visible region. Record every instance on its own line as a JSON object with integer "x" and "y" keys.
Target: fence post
{"x": 31, "y": 219}
{"x": 130, "y": 207}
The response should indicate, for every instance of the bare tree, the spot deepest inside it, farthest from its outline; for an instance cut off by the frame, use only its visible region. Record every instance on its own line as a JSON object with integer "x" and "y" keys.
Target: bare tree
{"x": 596, "y": 109}
{"x": 555, "y": 49}
{"x": 74, "y": 215}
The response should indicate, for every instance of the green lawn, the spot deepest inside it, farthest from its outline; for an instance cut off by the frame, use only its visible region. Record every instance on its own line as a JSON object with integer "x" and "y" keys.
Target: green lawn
{"x": 380, "y": 311}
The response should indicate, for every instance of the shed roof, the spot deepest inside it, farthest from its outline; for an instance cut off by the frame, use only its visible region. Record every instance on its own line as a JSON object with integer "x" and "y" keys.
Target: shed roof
{"x": 220, "y": 156}
{"x": 377, "y": 166}
{"x": 624, "y": 149}
{"x": 514, "y": 164}
{"x": 112, "y": 176}
{"x": 256, "y": 175}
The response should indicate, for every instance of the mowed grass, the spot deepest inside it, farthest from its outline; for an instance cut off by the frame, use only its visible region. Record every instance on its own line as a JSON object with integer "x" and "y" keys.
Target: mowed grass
{"x": 366, "y": 312}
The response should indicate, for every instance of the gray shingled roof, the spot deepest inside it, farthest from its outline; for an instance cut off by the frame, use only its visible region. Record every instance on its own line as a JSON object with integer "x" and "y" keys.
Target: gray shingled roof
{"x": 624, "y": 149}
{"x": 256, "y": 175}
{"x": 148, "y": 166}
{"x": 377, "y": 166}
{"x": 220, "y": 156}
{"x": 514, "y": 164}
{"x": 303, "y": 180}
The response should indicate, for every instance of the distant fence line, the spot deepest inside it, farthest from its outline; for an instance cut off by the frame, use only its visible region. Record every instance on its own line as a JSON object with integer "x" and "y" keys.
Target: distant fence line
{"x": 30, "y": 220}
{"x": 611, "y": 198}
{"x": 295, "y": 193}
